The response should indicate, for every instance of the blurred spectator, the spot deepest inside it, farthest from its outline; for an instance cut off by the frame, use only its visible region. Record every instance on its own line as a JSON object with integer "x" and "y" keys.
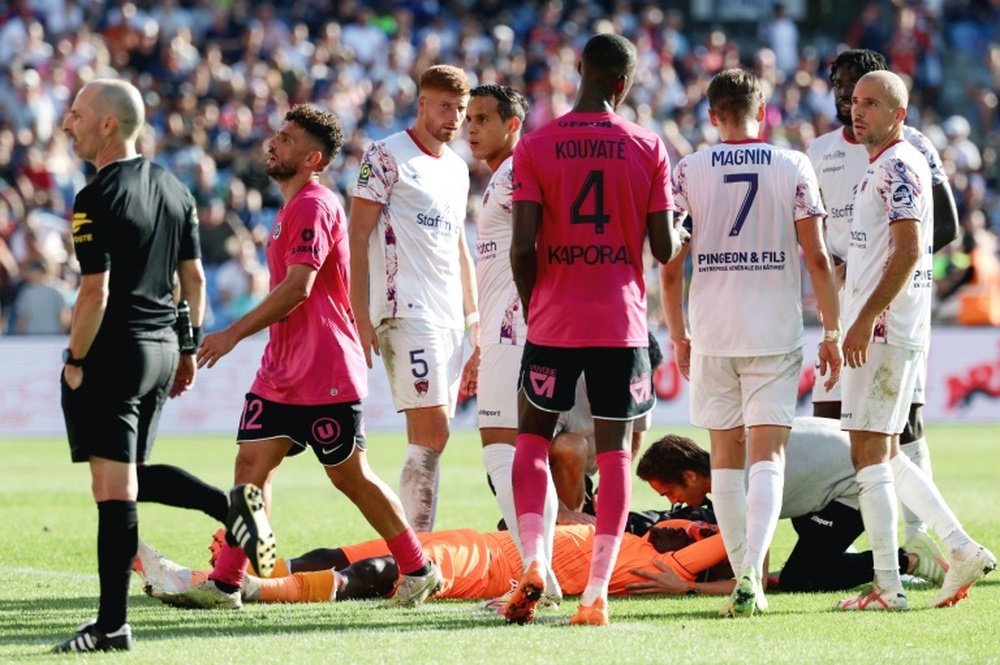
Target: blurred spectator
{"x": 40, "y": 307}
{"x": 975, "y": 286}
{"x": 782, "y": 35}
{"x": 217, "y": 76}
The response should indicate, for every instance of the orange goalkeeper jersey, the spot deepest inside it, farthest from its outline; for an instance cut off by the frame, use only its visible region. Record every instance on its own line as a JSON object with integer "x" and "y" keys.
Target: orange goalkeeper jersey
{"x": 485, "y": 565}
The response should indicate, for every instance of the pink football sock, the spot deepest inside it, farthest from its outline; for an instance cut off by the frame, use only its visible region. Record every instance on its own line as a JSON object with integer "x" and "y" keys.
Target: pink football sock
{"x": 529, "y": 480}
{"x": 230, "y": 566}
{"x": 613, "y": 498}
{"x": 405, "y": 549}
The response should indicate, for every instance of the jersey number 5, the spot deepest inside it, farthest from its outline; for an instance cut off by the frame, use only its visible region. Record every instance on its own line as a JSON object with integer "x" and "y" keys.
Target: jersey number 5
{"x": 593, "y": 187}
{"x": 741, "y": 216}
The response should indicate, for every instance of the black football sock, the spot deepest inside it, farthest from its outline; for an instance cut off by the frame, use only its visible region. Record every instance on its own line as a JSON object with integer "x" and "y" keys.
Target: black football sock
{"x": 117, "y": 537}
{"x": 173, "y": 486}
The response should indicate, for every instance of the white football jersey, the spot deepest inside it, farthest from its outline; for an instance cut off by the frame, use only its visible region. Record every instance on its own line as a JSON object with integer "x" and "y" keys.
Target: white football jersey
{"x": 840, "y": 163}
{"x": 896, "y": 186}
{"x": 744, "y": 199}
{"x": 413, "y": 255}
{"x": 501, "y": 319}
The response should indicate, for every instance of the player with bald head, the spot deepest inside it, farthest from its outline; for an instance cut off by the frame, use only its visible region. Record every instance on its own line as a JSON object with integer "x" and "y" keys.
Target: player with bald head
{"x": 124, "y": 357}
{"x": 887, "y": 299}
{"x": 840, "y": 160}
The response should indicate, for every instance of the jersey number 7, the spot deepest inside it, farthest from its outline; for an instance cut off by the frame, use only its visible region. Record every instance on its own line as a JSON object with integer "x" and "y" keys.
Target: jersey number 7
{"x": 741, "y": 216}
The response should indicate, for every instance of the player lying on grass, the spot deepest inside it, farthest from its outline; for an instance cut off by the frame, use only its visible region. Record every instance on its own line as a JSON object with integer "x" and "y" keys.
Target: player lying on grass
{"x": 820, "y": 496}
{"x": 474, "y": 565}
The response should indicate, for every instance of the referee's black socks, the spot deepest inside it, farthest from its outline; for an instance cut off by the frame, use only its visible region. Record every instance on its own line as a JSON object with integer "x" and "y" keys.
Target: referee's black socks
{"x": 117, "y": 539}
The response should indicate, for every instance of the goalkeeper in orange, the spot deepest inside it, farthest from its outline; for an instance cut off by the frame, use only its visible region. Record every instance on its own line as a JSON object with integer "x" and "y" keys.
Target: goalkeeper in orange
{"x": 474, "y": 565}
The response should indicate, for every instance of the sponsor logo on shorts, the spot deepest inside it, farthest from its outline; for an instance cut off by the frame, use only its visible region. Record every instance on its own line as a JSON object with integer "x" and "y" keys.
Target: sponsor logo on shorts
{"x": 543, "y": 381}
{"x": 489, "y": 412}
{"x": 819, "y": 520}
{"x": 326, "y": 430}
{"x": 641, "y": 389}
{"x": 421, "y": 386}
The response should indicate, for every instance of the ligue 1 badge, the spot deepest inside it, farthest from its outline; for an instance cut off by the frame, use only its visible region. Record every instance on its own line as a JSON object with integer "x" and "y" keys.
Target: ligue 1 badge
{"x": 277, "y": 231}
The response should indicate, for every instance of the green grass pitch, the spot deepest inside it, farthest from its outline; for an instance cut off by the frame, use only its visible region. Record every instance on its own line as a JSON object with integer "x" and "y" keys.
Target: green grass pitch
{"x": 48, "y": 581}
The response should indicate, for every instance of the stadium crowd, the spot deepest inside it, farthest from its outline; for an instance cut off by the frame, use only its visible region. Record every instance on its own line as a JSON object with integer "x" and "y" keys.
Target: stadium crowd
{"x": 217, "y": 77}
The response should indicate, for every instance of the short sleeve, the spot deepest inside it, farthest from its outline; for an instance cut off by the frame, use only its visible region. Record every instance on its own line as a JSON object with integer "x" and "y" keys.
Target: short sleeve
{"x": 90, "y": 232}
{"x": 808, "y": 200}
{"x": 190, "y": 237}
{"x": 378, "y": 174}
{"x": 661, "y": 195}
{"x": 678, "y": 185}
{"x": 526, "y": 184}
{"x": 898, "y": 188}
{"x": 311, "y": 225}
{"x": 930, "y": 153}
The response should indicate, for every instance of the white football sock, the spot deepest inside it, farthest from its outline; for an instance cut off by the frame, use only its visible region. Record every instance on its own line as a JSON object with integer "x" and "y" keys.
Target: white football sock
{"x": 765, "y": 486}
{"x": 919, "y": 493}
{"x": 920, "y": 455}
{"x": 879, "y": 514}
{"x": 729, "y": 499}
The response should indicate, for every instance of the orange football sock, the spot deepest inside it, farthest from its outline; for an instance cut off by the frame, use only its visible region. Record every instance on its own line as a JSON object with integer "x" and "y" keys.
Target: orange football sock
{"x": 314, "y": 587}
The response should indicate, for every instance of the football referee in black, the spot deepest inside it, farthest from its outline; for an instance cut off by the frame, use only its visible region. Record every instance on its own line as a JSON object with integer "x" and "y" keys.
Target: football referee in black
{"x": 134, "y": 227}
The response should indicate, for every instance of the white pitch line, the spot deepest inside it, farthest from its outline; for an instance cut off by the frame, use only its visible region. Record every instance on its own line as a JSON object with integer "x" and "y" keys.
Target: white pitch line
{"x": 89, "y": 577}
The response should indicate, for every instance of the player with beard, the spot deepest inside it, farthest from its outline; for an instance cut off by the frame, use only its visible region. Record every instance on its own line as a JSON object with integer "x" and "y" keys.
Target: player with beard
{"x": 840, "y": 160}
{"x": 413, "y": 286}
{"x": 887, "y": 298}
{"x": 308, "y": 390}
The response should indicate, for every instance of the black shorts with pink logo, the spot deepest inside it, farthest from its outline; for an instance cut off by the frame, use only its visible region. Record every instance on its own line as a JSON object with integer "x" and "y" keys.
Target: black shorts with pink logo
{"x": 619, "y": 383}
{"x": 333, "y": 431}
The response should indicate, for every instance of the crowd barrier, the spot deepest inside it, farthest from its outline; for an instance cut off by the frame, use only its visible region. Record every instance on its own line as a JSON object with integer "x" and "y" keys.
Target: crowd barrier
{"x": 963, "y": 385}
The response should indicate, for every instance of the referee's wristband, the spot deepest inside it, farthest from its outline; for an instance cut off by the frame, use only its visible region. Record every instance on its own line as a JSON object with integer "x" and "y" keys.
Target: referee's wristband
{"x": 199, "y": 336}
{"x": 471, "y": 319}
{"x": 831, "y": 335}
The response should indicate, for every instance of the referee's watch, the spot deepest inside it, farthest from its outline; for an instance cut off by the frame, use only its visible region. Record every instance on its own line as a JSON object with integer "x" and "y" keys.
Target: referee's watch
{"x": 68, "y": 359}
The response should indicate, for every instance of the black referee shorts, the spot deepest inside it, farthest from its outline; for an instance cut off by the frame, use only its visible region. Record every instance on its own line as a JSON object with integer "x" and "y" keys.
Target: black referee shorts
{"x": 115, "y": 412}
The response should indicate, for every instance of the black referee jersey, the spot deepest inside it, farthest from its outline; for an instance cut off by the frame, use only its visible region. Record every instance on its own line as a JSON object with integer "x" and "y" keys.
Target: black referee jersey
{"x": 136, "y": 220}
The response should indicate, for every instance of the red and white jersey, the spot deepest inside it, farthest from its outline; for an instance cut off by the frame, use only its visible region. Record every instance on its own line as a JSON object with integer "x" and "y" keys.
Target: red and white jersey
{"x": 313, "y": 355}
{"x": 413, "y": 255}
{"x": 744, "y": 198}
{"x": 501, "y": 320}
{"x": 840, "y": 163}
{"x": 597, "y": 176}
{"x": 896, "y": 186}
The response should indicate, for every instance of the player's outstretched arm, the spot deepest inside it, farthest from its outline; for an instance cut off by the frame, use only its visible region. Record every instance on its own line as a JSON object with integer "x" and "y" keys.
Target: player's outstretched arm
{"x": 285, "y": 297}
{"x": 360, "y": 226}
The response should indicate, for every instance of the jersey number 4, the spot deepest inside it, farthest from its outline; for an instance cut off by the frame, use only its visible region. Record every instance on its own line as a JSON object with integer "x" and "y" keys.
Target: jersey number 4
{"x": 593, "y": 188}
{"x": 741, "y": 216}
